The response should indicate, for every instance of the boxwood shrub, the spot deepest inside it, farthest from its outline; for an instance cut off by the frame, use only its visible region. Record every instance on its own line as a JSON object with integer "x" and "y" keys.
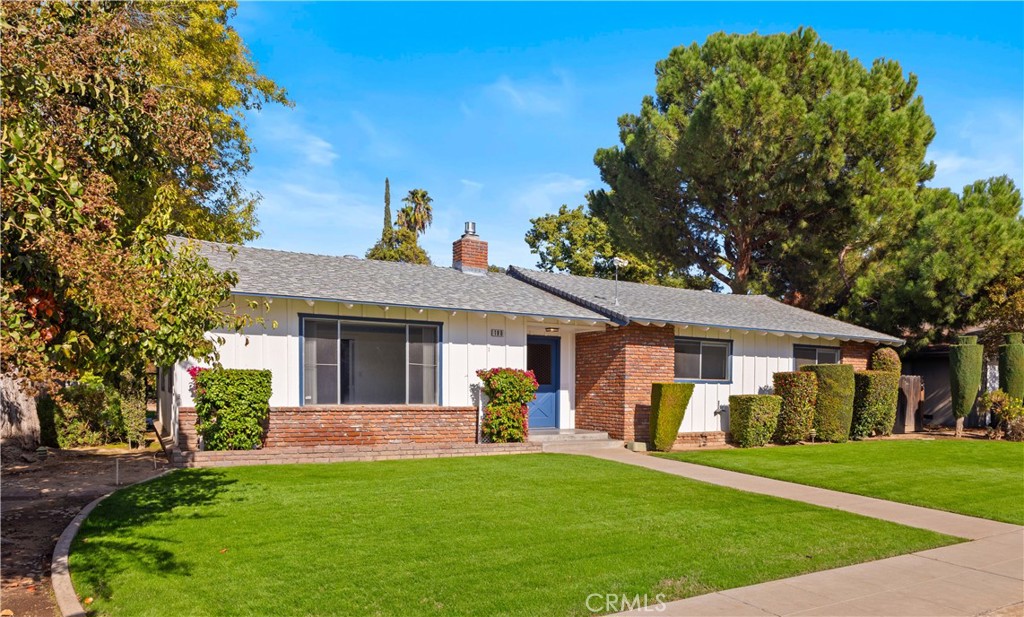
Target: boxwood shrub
{"x": 1011, "y": 365}
{"x": 876, "y": 395}
{"x": 886, "y": 359}
{"x": 799, "y": 391}
{"x": 231, "y": 407}
{"x": 833, "y": 409}
{"x": 753, "y": 418}
{"x": 668, "y": 406}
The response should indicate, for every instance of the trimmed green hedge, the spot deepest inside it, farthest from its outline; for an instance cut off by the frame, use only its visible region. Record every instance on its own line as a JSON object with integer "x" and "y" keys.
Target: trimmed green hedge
{"x": 876, "y": 396}
{"x": 798, "y": 390}
{"x": 753, "y": 418}
{"x": 668, "y": 406}
{"x": 231, "y": 406}
{"x": 833, "y": 409}
{"x": 1011, "y": 365}
{"x": 965, "y": 364}
{"x": 886, "y": 359}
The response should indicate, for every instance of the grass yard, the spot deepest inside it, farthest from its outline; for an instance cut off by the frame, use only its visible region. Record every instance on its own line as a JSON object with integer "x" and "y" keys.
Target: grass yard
{"x": 512, "y": 535}
{"x": 974, "y": 477}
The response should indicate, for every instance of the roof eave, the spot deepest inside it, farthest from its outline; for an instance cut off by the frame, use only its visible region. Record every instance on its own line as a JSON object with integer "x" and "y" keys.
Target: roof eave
{"x": 889, "y": 340}
{"x": 260, "y": 294}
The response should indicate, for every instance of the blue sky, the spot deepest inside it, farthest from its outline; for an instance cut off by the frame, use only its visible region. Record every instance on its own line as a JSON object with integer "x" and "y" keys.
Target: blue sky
{"x": 497, "y": 109}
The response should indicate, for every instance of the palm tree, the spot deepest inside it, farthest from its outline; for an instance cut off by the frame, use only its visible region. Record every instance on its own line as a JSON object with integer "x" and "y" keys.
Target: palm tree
{"x": 417, "y": 215}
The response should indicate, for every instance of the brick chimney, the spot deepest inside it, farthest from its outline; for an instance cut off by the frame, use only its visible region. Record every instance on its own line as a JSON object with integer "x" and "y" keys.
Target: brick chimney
{"x": 469, "y": 253}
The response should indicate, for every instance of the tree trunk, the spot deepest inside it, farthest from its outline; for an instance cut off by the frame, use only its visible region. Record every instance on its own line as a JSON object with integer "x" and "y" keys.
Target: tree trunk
{"x": 959, "y": 427}
{"x": 18, "y": 420}
{"x": 742, "y": 266}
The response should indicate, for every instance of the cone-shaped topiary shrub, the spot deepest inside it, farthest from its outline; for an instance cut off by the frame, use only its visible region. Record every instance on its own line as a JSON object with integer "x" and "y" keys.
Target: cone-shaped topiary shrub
{"x": 833, "y": 409}
{"x": 798, "y": 390}
{"x": 1011, "y": 365}
{"x": 753, "y": 418}
{"x": 668, "y": 406}
{"x": 965, "y": 363}
{"x": 886, "y": 359}
{"x": 876, "y": 395}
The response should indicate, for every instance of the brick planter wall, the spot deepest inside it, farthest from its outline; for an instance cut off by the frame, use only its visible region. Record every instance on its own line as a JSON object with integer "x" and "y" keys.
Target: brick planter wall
{"x": 856, "y": 354}
{"x": 354, "y": 425}
{"x": 343, "y": 454}
{"x": 614, "y": 372}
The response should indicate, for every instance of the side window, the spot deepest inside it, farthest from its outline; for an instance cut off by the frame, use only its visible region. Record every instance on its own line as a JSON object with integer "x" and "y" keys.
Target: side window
{"x": 703, "y": 360}
{"x": 809, "y": 354}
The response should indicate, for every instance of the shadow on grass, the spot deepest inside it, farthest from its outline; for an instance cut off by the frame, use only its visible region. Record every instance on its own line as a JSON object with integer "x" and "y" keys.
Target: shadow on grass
{"x": 109, "y": 541}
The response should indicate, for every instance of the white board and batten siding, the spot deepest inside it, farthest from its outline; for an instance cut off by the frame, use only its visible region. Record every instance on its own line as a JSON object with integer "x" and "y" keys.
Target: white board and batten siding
{"x": 469, "y": 342}
{"x": 755, "y": 358}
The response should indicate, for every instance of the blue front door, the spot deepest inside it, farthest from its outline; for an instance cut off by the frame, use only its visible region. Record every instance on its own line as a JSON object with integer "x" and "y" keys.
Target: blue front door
{"x": 542, "y": 359}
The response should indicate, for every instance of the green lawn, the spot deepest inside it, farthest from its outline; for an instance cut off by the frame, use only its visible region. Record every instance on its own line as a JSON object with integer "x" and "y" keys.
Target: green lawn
{"x": 975, "y": 477}
{"x": 513, "y": 535}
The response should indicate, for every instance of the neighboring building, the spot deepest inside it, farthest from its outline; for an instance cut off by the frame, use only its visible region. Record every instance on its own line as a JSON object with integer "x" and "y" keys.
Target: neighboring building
{"x": 369, "y": 352}
{"x": 932, "y": 364}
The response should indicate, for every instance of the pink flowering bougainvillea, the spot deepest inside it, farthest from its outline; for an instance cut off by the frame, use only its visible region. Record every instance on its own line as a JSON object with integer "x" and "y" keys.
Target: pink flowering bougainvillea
{"x": 193, "y": 372}
{"x": 509, "y": 391}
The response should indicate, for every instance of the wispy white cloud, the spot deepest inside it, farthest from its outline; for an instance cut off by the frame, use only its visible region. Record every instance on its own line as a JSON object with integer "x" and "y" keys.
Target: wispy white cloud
{"x": 317, "y": 151}
{"x": 533, "y": 96}
{"x": 989, "y": 141}
{"x": 377, "y": 143}
{"x": 284, "y": 130}
{"x": 545, "y": 193}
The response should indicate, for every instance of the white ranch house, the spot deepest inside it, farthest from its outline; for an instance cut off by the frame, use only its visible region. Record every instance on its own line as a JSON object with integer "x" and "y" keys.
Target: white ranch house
{"x": 369, "y": 352}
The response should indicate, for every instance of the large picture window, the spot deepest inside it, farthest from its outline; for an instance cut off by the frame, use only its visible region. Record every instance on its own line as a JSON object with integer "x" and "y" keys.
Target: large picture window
{"x": 358, "y": 362}
{"x": 701, "y": 359}
{"x": 810, "y": 354}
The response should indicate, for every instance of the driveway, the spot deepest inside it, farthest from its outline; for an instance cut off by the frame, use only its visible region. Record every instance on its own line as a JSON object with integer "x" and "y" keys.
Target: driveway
{"x": 38, "y": 498}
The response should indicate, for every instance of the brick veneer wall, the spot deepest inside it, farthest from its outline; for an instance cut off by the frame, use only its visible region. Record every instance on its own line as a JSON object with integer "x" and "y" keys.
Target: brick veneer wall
{"x": 856, "y": 354}
{"x": 614, "y": 372}
{"x": 188, "y": 436}
{"x": 354, "y": 425}
{"x": 469, "y": 252}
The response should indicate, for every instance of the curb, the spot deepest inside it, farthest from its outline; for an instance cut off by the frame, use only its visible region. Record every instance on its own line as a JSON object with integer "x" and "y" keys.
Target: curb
{"x": 60, "y": 575}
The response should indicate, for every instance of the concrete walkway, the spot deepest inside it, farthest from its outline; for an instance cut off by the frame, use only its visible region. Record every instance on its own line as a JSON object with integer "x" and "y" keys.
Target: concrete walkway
{"x": 967, "y": 579}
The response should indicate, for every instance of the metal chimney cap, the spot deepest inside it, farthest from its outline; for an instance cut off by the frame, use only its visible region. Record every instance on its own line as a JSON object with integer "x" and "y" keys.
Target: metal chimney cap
{"x": 470, "y": 228}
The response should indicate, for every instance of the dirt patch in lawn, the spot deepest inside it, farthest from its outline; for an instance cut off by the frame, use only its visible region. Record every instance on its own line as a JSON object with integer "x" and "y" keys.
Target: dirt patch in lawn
{"x": 38, "y": 498}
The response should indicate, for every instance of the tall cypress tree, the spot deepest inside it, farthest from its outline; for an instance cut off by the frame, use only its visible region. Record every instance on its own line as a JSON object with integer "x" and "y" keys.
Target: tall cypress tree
{"x": 387, "y": 209}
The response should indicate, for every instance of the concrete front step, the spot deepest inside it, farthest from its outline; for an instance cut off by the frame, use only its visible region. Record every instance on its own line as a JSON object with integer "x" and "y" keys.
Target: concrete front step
{"x": 553, "y": 435}
{"x": 582, "y": 446}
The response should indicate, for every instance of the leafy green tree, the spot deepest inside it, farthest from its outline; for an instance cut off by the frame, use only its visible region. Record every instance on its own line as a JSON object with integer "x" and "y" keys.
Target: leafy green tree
{"x": 957, "y": 252}
{"x": 203, "y": 71}
{"x": 769, "y": 163}
{"x": 398, "y": 243}
{"x": 576, "y": 242}
{"x": 417, "y": 214}
{"x": 87, "y": 287}
{"x": 1002, "y": 312}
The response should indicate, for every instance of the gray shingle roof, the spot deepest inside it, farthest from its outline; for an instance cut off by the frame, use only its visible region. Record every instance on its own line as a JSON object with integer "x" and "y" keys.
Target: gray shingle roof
{"x": 651, "y": 303}
{"x": 272, "y": 273}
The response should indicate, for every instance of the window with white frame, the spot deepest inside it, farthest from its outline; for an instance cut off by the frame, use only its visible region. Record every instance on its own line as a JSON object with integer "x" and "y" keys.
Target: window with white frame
{"x": 703, "y": 359}
{"x": 363, "y": 362}
{"x": 811, "y": 354}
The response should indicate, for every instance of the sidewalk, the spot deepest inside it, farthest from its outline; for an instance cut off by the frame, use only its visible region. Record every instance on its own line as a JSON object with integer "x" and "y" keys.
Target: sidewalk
{"x": 965, "y": 579}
